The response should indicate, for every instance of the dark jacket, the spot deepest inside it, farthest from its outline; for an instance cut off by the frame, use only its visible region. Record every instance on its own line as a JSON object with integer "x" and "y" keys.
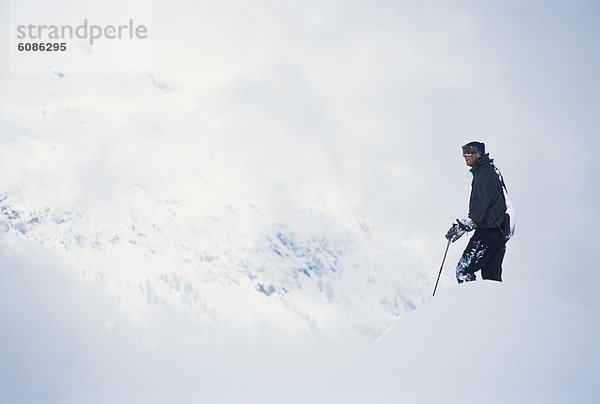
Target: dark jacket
{"x": 486, "y": 204}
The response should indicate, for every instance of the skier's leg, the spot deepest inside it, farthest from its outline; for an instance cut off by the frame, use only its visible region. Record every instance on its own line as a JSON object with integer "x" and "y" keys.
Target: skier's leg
{"x": 492, "y": 267}
{"x": 467, "y": 265}
{"x": 484, "y": 252}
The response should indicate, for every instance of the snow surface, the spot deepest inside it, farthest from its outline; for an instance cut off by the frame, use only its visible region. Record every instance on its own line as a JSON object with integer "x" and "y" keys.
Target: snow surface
{"x": 69, "y": 342}
{"x": 482, "y": 342}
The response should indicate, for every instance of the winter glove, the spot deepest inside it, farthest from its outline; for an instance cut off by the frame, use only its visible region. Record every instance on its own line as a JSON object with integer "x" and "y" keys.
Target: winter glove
{"x": 459, "y": 228}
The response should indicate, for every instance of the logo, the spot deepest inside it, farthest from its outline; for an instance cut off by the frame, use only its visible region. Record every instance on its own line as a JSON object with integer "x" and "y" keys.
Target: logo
{"x": 108, "y": 37}
{"x": 90, "y": 32}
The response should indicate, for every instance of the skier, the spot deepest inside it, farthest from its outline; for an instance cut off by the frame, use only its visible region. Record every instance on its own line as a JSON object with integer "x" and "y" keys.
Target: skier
{"x": 490, "y": 215}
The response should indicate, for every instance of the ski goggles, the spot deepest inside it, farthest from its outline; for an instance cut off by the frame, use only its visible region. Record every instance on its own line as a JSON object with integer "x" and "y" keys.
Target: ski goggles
{"x": 469, "y": 150}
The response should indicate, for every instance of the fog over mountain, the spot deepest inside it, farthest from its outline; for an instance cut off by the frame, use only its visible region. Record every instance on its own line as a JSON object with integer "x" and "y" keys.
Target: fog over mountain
{"x": 281, "y": 178}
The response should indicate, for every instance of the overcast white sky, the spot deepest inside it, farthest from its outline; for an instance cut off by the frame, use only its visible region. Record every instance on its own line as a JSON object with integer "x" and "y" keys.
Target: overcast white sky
{"x": 353, "y": 107}
{"x": 329, "y": 116}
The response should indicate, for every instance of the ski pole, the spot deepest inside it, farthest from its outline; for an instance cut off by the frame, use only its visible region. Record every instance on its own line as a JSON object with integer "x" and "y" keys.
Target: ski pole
{"x": 441, "y": 266}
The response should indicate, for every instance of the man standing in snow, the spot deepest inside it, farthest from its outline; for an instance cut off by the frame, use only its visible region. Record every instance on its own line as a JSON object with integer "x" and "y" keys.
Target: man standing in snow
{"x": 489, "y": 215}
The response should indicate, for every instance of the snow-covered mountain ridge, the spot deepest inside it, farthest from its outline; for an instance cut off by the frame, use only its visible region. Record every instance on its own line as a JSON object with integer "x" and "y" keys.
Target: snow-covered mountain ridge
{"x": 152, "y": 256}
{"x": 203, "y": 201}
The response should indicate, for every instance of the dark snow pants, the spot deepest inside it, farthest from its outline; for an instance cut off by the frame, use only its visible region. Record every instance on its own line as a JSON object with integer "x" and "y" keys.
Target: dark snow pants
{"x": 484, "y": 252}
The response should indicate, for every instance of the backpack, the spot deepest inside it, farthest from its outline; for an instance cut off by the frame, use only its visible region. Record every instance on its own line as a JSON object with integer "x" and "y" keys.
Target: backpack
{"x": 508, "y": 226}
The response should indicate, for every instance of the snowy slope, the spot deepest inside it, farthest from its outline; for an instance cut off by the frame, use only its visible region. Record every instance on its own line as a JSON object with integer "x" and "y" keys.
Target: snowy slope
{"x": 478, "y": 343}
{"x": 70, "y": 342}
